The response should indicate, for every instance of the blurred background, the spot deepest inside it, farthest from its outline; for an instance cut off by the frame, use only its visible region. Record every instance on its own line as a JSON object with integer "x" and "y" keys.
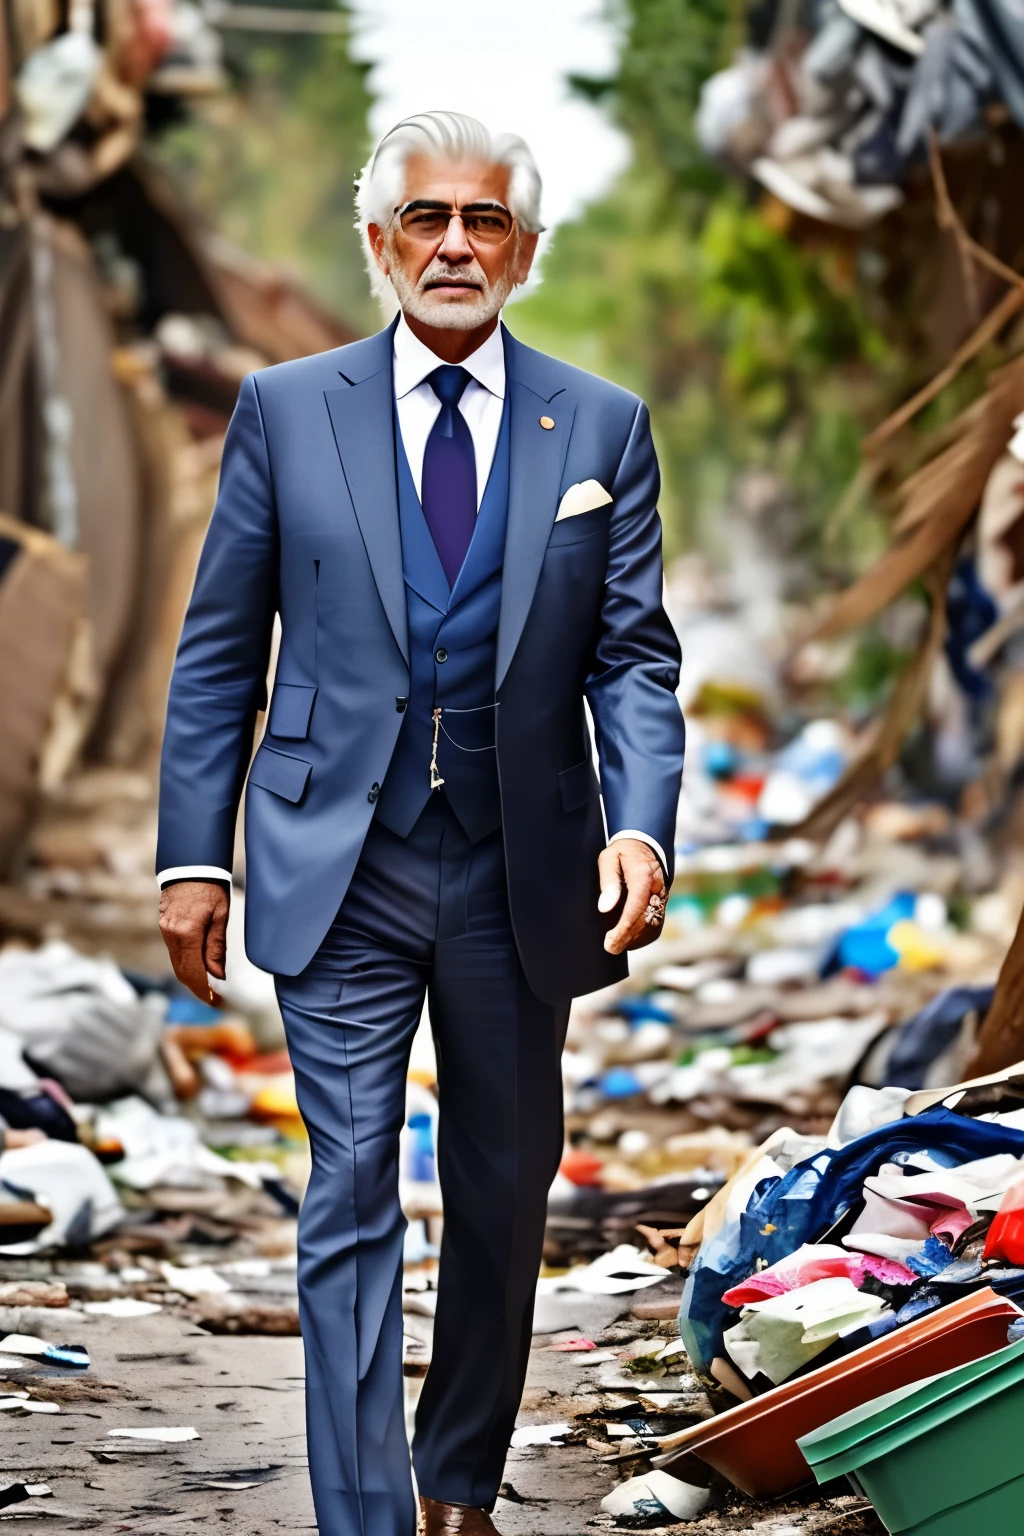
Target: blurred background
{"x": 795, "y": 228}
{"x": 760, "y": 218}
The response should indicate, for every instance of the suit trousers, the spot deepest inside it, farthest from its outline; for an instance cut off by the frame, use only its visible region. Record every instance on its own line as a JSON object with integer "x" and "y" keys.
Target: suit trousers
{"x": 425, "y": 915}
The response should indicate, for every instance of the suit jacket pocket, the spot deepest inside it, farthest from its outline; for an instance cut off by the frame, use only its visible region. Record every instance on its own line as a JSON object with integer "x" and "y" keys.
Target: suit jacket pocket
{"x": 570, "y": 530}
{"x": 577, "y": 784}
{"x": 282, "y": 775}
{"x": 290, "y": 709}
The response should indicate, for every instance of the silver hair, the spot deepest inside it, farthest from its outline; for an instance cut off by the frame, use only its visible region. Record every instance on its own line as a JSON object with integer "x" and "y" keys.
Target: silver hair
{"x": 452, "y": 135}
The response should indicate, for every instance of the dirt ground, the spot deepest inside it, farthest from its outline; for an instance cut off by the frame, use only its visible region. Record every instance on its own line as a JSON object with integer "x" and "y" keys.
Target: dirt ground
{"x": 246, "y": 1474}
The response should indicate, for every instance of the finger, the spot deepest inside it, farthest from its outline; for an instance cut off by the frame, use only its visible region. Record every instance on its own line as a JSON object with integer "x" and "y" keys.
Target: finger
{"x": 638, "y": 892}
{"x": 646, "y": 933}
{"x": 609, "y": 870}
{"x": 215, "y": 948}
{"x": 191, "y": 970}
{"x": 185, "y": 947}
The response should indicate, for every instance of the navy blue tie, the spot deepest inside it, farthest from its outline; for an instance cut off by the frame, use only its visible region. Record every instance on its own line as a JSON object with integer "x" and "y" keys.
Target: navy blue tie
{"x": 449, "y": 473}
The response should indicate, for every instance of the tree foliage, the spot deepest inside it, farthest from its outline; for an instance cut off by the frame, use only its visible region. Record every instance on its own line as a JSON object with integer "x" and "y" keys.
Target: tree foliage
{"x": 273, "y": 161}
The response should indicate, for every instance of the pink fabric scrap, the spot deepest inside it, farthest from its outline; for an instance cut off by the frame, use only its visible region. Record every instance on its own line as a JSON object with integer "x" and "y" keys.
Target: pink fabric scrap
{"x": 778, "y": 1279}
{"x": 950, "y": 1224}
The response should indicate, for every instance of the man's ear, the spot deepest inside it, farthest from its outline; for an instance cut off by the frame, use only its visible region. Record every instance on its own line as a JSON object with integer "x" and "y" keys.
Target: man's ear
{"x": 524, "y": 256}
{"x": 376, "y": 238}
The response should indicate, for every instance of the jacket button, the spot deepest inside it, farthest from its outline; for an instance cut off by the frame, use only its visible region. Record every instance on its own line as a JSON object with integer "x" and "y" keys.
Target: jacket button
{"x": 441, "y": 654}
{"x": 374, "y": 792}
{"x": 401, "y": 703}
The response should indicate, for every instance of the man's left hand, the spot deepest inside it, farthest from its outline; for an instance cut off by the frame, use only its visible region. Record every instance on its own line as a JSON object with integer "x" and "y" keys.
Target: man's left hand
{"x": 630, "y": 864}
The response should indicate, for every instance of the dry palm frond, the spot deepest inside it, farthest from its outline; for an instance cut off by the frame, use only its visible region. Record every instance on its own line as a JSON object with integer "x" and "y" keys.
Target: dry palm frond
{"x": 907, "y": 699}
{"x": 936, "y": 502}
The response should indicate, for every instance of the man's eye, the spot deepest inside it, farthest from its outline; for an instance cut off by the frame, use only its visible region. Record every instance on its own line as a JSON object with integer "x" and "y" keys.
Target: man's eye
{"x": 426, "y": 223}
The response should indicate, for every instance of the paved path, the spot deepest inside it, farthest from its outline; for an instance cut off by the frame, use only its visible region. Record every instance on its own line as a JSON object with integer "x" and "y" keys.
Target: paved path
{"x": 244, "y": 1396}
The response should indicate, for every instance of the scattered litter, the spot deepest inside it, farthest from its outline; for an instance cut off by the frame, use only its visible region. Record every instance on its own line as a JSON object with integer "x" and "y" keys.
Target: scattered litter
{"x": 539, "y": 1434}
{"x": 199, "y": 1280}
{"x": 122, "y": 1306}
{"x": 656, "y": 1496}
{"x": 20, "y": 1402}
{"x": 39, "y": 1349}
{"x": 168, "y": 1436}
{"x": 16, "y": 1493}
{"x": 612, "y": 1274}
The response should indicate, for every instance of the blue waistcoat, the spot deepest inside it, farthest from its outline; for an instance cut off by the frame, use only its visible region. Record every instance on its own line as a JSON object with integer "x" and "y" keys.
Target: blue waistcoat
{"x": 452, "y": 655}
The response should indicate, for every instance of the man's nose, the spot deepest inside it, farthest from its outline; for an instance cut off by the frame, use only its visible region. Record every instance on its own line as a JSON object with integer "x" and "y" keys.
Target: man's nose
{"x": 455, "y": 246}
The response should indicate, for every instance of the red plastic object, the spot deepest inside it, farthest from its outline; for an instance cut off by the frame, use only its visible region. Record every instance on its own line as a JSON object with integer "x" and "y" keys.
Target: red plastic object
{"x": 754, "y": 1445}
{"x": 1006, "y": 1234}
{"x": 582, "y": 1168}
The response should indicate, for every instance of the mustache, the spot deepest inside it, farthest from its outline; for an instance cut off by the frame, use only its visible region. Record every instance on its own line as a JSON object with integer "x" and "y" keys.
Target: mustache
{"x": 441, "y": 272}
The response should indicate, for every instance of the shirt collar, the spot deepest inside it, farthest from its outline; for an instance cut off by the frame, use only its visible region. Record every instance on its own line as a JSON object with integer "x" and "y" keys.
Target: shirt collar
{"x": 414, "y": 361}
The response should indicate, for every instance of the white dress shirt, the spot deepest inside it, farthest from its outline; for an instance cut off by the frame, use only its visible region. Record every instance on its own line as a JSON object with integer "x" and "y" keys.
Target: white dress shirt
{"x": 482, "y": 403}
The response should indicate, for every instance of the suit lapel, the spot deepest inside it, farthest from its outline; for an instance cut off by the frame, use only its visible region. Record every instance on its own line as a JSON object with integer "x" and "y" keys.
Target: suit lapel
{"x": 362, "y": 419}
{"x": 537, "y": 458}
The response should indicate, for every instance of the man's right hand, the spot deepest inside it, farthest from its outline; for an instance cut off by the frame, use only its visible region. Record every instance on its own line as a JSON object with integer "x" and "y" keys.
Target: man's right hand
{"x": 194, "y": 923}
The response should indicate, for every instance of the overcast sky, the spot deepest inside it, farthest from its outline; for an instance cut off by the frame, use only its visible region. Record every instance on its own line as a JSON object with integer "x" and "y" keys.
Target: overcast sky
{"x": 506, "y": 64}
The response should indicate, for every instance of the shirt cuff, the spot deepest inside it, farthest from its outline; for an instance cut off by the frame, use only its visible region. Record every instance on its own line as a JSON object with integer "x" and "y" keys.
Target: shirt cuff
{"x": 642, "y": 837}
{"x": 193, "y": 872}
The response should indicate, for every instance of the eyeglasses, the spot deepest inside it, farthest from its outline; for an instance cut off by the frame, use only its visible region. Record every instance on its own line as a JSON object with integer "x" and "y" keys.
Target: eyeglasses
{"x": 484, "y": 223}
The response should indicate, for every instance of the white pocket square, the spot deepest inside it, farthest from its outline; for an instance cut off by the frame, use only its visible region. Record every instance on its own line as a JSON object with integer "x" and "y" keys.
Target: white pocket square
{"x": 584, "y": 496}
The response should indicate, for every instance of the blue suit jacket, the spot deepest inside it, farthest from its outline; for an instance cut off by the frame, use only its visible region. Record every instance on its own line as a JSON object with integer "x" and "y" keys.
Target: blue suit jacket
{"x": 306, "y": 524}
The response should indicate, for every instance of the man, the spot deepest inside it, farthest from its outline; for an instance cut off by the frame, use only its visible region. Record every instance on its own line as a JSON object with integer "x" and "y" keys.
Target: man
{"x": 461, "y": 539}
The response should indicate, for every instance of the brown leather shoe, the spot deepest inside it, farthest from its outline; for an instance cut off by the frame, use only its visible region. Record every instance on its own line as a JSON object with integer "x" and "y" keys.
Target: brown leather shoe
{"x": 455, "y": 1520}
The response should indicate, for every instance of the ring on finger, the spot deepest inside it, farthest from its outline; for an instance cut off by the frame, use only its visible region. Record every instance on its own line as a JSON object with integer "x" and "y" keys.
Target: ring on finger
{"x": 654, "y": 915}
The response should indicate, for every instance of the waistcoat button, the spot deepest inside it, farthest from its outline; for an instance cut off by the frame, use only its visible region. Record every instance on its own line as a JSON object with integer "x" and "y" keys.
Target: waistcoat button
{"x": 401, "y": 703}
{"x": 374, "y": 792}
{"x": 441, "y": 654}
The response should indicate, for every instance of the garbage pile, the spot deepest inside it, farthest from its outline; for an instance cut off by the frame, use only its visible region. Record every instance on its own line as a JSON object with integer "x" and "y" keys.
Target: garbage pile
{"x": 830, "y": 106}
{"x": 788, "y": 974}
{"x": 128, "y": 328}
{"x": 152, "y": 1152}
{"x": 768, "y": 1102}
{"x": 847, "y": 1284}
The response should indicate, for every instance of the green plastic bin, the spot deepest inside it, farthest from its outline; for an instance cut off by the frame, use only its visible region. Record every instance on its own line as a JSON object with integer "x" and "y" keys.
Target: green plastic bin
{"x": 938, "y": 1454}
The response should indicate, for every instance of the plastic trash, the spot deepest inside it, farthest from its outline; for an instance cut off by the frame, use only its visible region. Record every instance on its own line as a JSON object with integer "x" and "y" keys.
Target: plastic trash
{"x": 54, "y": 86}
{"x": 938, "y": 1457}
{"x": 28, "y": 1346}
{"x": 422, "y": 1163}
{"x": 20, "y": 1402}
{"x": 755, "y": 1444}
{"x": 122, "y": 1306}
{"x": 865, "y": 947}
{"x": 611, "y": 1274}
{"x": 71, "y": 1184}
{"x": 169, "y": 1435}
{"x": 195, "y": 1280}
{"x": 655, "y": 1495}
{"x": 1006, "y": 1234}
{"x": 539, "y": 1434}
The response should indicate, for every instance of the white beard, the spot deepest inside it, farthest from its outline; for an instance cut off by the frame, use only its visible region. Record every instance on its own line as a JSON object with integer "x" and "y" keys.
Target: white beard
{"x": 443, "y": 311}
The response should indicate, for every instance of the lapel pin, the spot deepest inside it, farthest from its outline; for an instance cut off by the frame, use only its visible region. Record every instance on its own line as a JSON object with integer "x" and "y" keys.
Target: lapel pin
{"x": 547, "y": 423}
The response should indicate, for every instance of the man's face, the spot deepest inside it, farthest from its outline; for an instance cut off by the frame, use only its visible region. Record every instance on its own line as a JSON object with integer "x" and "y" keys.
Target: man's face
{"x": 453, "y": 273}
